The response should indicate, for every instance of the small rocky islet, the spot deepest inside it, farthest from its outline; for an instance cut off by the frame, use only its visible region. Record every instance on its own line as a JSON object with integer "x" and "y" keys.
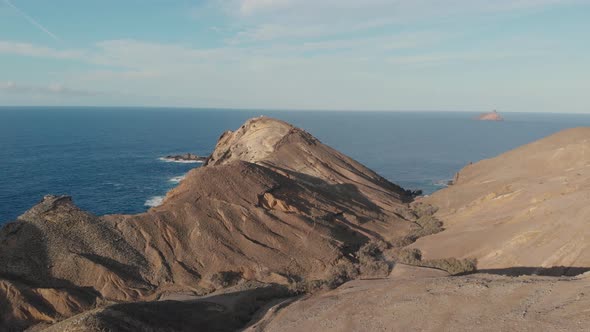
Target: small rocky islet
{"x": 490, "y": 116}
{"x": 187, "y": 157}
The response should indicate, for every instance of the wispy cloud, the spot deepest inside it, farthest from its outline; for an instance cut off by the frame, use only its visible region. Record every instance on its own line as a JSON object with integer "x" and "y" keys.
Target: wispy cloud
{"x": 51, "y": 89}
{"x": 439, "y": 59}
{"x": 382, "y": 8}
{"x": 30, "y": 50}
{"x": 261, "y": 21}
{"x": 127, "y": 75}
{"x": 32, "y": 20}
{"x": 348, "y": 54}
{"x": 248, "y": 7}
{"x": 269, "y": 32}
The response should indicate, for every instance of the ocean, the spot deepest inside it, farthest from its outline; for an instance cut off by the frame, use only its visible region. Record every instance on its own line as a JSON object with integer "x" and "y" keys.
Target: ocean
{"x": 108, "y": 158}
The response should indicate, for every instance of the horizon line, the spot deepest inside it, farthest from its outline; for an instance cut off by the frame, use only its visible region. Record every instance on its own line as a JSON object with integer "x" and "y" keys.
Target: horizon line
{"x": 200, "y": 108}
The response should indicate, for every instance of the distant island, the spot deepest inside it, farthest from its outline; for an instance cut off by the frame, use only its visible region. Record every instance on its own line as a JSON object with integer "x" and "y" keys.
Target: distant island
{"x": 490, "y": 116}
{"x": 184, "y": 158}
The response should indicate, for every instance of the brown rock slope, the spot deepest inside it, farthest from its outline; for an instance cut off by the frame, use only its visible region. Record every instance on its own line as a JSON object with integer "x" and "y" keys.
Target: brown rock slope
{"x": 417, "y": 299}
{"x": 273, "y": 205}
{"x": 529, "y": 207}
{"x": 298, "y": 155}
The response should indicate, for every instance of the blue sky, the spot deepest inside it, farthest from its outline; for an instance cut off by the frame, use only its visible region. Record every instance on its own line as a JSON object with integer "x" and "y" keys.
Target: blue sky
{"x": 465, "y": 55}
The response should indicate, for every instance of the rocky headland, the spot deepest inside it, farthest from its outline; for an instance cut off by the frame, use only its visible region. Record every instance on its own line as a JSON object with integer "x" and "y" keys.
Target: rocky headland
{"x": 278, "y": 231}
{"x": 271, "y": 205}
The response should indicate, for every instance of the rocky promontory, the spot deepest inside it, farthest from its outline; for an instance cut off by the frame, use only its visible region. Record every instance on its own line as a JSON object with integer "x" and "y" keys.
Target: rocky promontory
{"x": 272, "y": 205}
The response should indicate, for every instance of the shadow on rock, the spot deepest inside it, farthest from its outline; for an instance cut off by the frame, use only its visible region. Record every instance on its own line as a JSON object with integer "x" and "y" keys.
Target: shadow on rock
{"x": 555, "y": 271}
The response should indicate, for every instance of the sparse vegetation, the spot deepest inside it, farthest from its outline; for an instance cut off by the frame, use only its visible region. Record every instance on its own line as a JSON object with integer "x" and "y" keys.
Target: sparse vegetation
{"x": 428, "y": 225}
{"x": 423, "y": 226}
{"x": 309, "y": 286}
{"x": 451, "y": 265}
{"x": 341, "y": 273}
{"x": 374, "y": 268}
{"x": 408, "y": 256}
{"x": 372, "y": 249}
{"x": 402, "y": 242}
{"x": 425, "y": 223}
{"x": 225, "y": 279}
{"x": 423, "y": 210}
{"x": 371, "y": 261}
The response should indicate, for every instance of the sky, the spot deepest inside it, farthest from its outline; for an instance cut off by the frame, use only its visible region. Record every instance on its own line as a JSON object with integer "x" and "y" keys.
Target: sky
{"x": 453, "y": 55}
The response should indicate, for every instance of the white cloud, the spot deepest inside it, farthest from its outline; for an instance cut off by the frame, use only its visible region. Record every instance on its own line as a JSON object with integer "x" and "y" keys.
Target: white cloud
{"x": 441, "y": 59}
{"x": 278, "y": 74}
{"x": 51, "y": 89}
{"x": 267, "y": 32}
{"x": 30, "y": 50}
{"x": 106, "y": 75}
{"x": 281, "y": 20}
{"x": 301, "y": 54}
{"x": 385, "y": 8}
{"x": 248, "y": 7}
{"x": 121, "y": 53}
{"x": 138, "y": 59}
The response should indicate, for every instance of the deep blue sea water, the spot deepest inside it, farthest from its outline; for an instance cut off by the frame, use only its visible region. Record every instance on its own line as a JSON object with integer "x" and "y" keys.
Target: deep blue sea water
{"x": 107, "y": 158}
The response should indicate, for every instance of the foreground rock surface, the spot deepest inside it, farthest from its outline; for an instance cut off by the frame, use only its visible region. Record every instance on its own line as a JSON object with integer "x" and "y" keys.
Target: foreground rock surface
{"x": 272, "y": 205}
{"x": 422, "y": 301}
{"x": 223, "y": 311}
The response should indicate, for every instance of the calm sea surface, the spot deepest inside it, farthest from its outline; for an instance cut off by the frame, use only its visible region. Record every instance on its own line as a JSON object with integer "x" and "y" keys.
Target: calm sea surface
{"x": 107, "y": 158}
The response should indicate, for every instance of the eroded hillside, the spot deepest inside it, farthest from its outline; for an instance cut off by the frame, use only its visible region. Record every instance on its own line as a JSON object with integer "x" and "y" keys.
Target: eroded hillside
{"x": 272, "y": 205}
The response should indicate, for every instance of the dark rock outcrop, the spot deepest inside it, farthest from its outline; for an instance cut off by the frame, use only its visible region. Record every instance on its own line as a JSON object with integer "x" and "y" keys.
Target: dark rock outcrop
{"x": 187, "y": 157}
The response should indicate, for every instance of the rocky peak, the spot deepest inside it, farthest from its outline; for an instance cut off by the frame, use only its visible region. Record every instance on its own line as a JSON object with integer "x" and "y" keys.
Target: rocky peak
{"x": 49, "y": 204}
{"x": 254, "y": 141}
{"x": 295, "y": 153}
